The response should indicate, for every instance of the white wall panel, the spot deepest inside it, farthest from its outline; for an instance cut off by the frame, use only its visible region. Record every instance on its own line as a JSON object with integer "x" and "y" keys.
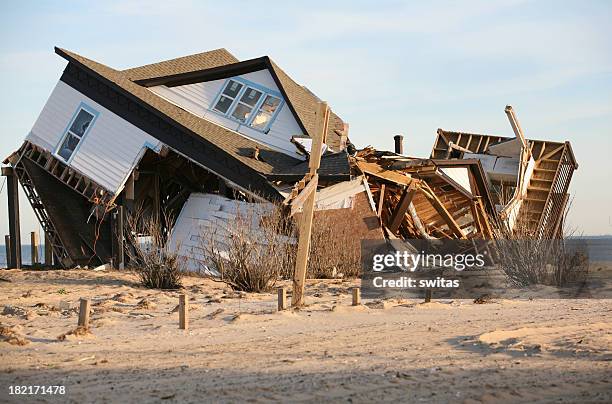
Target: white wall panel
{"x": 110, "y": 149}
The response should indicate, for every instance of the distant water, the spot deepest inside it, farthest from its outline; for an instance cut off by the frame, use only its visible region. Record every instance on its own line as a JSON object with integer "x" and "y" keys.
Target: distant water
{"x": 25, "y": 254}
{"x": 599, "y": 249}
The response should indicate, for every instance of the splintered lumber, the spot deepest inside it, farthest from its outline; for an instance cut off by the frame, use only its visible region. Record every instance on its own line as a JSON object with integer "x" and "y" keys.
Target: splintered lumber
{"x": 379, "y": 172}
{"x": 516, "y": 127}
{"x": 84, "y": 313}
{"x": 381, "y": 197}
{"x": 402, "y": 207}
{"x": 305, "y": 227}
{"x": 439, "y": 207}
{"x": 300, "y": 199}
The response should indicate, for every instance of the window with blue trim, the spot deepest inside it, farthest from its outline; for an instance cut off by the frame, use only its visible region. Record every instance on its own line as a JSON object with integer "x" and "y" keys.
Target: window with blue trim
{"x": 78, "y": 127}
{"x": 249, "y": 104}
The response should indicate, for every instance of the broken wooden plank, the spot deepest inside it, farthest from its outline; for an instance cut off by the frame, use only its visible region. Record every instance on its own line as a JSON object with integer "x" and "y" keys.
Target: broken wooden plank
{"x": 305, "y": 228}
{"x": 379, "y": 172}
{"x": 381, "y": 197}
{"x": 300, "y": 199}
{"x": 439, "y": 207}
{"x": 402, "y": 207}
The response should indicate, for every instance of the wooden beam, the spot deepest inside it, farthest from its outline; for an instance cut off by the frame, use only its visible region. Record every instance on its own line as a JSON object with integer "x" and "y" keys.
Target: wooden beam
{"x": 7, "y": 246}
{"x": 34, "y": 248}
{"x": 381, "y": 197}
{"x": 377, "y": 171}
{"x": 439, "y": 207}
{"x": 302, "y": 197}
{"x": 12, "y": 188}
{"x": 516, "y": 127}
{"x": 402, "y": 207}
{"x": 48, "y": 250}
{"x": 305, "y": 228}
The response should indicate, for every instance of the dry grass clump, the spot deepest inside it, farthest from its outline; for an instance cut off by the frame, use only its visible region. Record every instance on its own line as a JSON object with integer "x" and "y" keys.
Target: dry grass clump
{"x": 158, "y": 266}
{"x": 333, "y": 252}
{"x": 253, "y": 252}
{"x": 80, "y": 331}
{"x": 529, "y": 260}
{"x": 11, "y": 336}
{"x": 146, "y": 305}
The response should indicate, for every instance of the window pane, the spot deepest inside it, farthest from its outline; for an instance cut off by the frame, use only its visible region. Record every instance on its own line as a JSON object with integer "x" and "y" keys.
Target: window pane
{"x": 223, "y": 104}
{"x": 261, "y": 120}
{"x": 81, "y": 123}
{"x": 232, "y": 89}
{"x": 70, "y": 143}
{"x": 242, "y": 112}
{"x": 270, "y": 104}
{"x": 250, "y": 96}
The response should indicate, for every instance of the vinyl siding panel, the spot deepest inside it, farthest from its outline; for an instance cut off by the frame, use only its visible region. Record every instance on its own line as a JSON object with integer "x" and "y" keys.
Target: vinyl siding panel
{"x": 109, "y": 150}
{"x": 197, "y": 98}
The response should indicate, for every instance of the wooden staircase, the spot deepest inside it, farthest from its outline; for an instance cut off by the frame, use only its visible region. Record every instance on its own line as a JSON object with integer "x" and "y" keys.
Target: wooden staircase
{"x": 79, "y": 183}
{"x": 541, "y": 213}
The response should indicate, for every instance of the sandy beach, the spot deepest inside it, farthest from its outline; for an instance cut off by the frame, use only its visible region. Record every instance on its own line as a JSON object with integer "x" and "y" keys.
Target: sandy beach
{"x": 239, "y": 348}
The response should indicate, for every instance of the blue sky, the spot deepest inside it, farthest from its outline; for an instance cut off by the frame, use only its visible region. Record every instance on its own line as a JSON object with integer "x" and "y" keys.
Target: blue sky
{"x": 386, "y": 67}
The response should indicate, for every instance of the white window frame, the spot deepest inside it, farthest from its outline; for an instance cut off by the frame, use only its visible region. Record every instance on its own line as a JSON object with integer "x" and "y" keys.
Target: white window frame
{"x": 246, "y": 85}
{"x": 67, "y": 132}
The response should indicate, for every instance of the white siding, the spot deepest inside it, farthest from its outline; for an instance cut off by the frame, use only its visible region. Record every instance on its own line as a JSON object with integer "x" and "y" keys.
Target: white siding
{"x": 198, "y": 97}
{"x": 108, "y": 152}
{"x": 207, "y": 215}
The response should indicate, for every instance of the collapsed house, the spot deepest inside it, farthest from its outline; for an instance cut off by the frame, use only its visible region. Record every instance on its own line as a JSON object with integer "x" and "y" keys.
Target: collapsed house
{"x": 160, "y": 136}
{"x": 199, "y": 136}
{"x": 472, "y": 184}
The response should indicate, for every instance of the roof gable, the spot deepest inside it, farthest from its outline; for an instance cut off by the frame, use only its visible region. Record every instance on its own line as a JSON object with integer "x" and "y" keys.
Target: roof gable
{"x": 196, "y": 68}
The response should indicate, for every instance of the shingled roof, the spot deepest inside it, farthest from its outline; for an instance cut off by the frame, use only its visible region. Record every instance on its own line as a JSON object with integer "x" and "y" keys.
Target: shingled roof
{"x": 185, "y": 64}
{"x": 135, "y": 80}
{"x": 231, "y": 142}
{"x": 213, "y": 64}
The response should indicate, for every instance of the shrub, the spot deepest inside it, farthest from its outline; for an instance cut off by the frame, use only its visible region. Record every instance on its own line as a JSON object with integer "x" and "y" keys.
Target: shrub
{"x": 333, "y": 250}
{"x": 529, "y": 260}
{"x": 157, "y": 265}
{"x": 255, "y": 249}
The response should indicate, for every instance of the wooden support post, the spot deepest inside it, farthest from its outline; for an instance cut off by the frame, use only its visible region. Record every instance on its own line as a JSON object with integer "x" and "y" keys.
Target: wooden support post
{"x": 282, "y": 298}
{"x": 183, "y": 312}
{"x": 117, "y": 244}
{"x": 356, "y": 296}
{"x": 402, "y": 207}
{"x": 48, "y": 250}
{"x": 84, "y": 313}
{"x": 12, "y": 188}
{"x": 428, "y": 295}
{"x": 7, "y": 246}
{"x": 305, "y": 228}
{"x": 34, "y": 248}
{"x": 129, "y": 192}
